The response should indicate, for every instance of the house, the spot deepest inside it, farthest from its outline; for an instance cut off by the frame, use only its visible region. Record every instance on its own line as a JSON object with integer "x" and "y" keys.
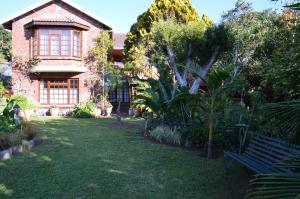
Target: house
{"x": 59, "y": 34}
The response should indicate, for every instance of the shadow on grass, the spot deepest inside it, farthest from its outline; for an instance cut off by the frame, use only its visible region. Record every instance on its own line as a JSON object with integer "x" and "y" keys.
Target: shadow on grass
{"x": 85, "y": 158}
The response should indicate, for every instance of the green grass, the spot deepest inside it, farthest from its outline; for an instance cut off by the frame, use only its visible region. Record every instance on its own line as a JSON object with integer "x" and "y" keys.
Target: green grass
{"x": 86, "y": 159}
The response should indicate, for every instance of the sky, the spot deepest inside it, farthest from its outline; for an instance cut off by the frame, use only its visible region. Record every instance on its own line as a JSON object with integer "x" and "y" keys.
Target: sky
{"x": 123, "y": 13}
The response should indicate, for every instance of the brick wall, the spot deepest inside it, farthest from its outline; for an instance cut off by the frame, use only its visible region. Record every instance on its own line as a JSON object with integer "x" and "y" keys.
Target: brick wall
{"x": 22, "y": 42}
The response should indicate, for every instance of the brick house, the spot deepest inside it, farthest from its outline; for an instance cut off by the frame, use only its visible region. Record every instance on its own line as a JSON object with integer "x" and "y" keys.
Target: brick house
{"x": 60, "y": 34}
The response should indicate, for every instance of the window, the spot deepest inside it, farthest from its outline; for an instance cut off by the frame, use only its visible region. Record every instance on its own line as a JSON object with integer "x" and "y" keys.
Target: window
{"x": 56, "y": 42}
{"x": 59, "y": 91}
{"x": 76, "y": 44}
{"x": 120, "y": 94}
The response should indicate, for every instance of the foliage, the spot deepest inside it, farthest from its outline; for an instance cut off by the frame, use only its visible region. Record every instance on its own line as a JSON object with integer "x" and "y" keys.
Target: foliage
{"x": 22, "y": 101}
{"x": 283, "y": 185}
{"x": 285, "y": 116}
{"x": 100, "y": 56}
{"x": 9, "y": 140}
{"x": 7, "y": 123}
{"x": 5, "y": 45}
{"x": 102, "y": 52}
{"x": 265, "y": 50}
{"x": 166, "y": 134}
{"x": 84, "y": 110}
{"x": 29, "y": 130}
{"x": 136, "y": 42}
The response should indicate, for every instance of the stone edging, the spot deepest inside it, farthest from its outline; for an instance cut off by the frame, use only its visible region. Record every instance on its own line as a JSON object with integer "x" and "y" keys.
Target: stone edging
{"x": 8, "y": 153}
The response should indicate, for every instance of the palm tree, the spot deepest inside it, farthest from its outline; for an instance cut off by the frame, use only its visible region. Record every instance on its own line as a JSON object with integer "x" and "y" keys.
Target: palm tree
{"x": 212, "y": 100}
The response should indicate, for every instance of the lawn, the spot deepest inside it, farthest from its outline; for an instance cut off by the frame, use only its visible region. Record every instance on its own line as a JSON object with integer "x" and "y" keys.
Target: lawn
{"x": 90, "y": 158}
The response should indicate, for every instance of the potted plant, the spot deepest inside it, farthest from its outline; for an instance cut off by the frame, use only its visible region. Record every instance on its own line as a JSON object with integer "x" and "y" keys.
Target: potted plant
{"x": 108, "y": 108}
{"x": 54, "y": 110}
{"x": 97, "y": 110}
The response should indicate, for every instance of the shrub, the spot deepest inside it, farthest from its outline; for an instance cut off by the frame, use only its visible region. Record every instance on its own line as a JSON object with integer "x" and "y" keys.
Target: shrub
{"x": 22, "y": 101}
{"x": 166, "y": 134}
{"x": 29, "y": 131}
{"x": 197, "y": 136}
{"x": 84, "y": 110}
{"x": 7, "y": 123}
{"x": 9, "y": 140}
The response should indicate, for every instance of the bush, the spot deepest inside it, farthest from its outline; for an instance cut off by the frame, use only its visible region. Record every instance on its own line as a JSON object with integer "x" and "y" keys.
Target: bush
{"x": 10, "y": 140}
{"x": 197, "y": 136}
{"x": 22, "y": 101}
{"x": 29, "y": 131}
{"x": 7, "y": 123}
{"x": 166, "y": 134}
{"x": 84, "y": 110}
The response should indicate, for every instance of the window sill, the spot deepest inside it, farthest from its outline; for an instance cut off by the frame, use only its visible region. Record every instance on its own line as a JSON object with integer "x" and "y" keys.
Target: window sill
{"x": 58, "y": 58}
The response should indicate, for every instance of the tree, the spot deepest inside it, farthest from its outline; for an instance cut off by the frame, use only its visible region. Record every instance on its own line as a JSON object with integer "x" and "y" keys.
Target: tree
{"x": 5, "y": 45}
{"x": 136, "y": 43}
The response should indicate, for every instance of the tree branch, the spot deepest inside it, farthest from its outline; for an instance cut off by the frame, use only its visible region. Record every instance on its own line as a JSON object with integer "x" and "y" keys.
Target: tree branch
{"x": 182, "y": 81}
{"x": 197, "y": 82}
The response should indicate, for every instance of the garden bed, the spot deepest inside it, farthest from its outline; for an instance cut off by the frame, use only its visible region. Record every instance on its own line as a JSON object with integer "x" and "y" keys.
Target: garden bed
{"x": 8, "y": 153}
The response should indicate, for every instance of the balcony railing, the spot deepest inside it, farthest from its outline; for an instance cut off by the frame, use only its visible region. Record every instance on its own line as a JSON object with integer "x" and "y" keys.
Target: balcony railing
{"x": 5, "y": 69}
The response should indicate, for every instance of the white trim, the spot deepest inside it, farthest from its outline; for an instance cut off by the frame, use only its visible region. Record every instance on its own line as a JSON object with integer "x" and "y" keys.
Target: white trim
{"x": 69, "y": 2}
{"x": 58, "y": 69}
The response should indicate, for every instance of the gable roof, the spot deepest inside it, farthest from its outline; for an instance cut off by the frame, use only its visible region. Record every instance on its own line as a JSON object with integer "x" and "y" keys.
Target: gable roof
{"x": 5, "y": 22}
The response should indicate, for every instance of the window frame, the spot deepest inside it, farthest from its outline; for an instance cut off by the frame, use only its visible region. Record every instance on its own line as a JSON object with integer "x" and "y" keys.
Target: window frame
{"x": 71, "y": 53}
{"x": 80, "y": 43}
{"x": 68, "y": 84}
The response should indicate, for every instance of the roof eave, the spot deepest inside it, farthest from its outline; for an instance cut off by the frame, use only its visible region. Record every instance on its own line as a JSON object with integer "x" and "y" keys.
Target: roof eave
{"x": 7, "y": 22}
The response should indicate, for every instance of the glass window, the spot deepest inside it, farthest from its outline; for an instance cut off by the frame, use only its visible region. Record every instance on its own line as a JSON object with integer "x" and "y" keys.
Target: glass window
{"x": 59, "y": 91}
{"x": 53, "y": 42}
{"x": 76, "y": 44}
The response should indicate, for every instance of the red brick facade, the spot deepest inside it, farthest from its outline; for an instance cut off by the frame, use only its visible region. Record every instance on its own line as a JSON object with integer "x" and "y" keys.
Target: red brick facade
{"x": 22, "y": 45}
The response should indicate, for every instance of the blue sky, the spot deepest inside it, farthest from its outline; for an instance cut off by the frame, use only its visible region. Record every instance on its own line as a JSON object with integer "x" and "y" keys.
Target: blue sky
{"x": 123, "y": 13}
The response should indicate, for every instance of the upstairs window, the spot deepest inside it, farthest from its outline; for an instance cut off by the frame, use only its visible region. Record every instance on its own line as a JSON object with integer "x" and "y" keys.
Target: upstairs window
{"x": 56, "y": 42}
{"x": 76, "y": 44}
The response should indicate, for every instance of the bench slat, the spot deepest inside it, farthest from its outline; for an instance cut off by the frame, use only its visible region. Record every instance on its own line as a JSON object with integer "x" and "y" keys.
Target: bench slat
{"x": 264, "y": 153}
{"x": 293, "y": 146}
{"x": 276, "y": 145}
{"x": 277, "y": 151}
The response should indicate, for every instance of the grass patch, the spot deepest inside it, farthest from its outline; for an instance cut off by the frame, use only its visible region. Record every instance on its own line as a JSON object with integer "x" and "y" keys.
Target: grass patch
{"x": 85, "y": 159}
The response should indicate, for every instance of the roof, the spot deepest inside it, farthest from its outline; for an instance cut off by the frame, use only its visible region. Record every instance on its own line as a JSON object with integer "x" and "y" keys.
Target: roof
{"x": 57, "y": 22}
{"x": 119, "y": 39}
{"x": 10, "y": 19}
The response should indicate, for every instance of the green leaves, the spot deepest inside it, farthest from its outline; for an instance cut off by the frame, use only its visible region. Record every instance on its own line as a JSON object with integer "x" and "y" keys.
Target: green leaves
{"x": 270, "y": 186}
{"x": 5, "y": 45}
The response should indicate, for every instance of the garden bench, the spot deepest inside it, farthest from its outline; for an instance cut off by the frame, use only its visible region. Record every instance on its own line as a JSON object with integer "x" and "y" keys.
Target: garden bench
{"x": 263, "y": 155}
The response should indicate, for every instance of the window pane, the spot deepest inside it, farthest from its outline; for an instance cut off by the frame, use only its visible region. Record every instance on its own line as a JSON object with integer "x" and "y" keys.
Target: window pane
{"x": 44, "y": 42}
{"x": 76, "y": 44}
{"x": 55, "y": 44}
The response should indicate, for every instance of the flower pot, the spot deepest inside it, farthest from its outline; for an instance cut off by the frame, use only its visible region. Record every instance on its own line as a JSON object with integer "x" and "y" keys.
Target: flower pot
{"x": 6, "y": 154}
{"x": 130, "y": 112}
{"x": 54, "y": 112}
{"x": 97, "y": 112}
{"x": 108, "y": 111}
